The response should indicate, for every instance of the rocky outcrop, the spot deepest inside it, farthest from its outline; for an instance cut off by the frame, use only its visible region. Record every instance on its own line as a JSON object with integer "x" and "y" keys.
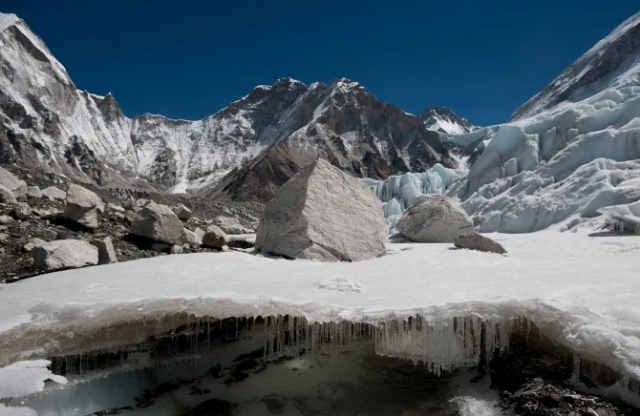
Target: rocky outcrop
{"x": 214, "y": 237}
{"x": 323, "y": 214}
{"x": 434, "y": 219}
{"x": 159, "y": 223}
{"x": 475, "y": 241}
{"x": 83, "y": 206}
{"x": 65, "y": 254}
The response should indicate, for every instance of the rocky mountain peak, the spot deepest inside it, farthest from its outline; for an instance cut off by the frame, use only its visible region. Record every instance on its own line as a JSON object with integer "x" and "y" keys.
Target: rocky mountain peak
{"x": 445, "y": 120}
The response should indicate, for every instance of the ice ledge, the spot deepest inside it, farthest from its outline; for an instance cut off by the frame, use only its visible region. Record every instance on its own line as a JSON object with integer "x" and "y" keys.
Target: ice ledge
{"x": 554, "y": 280}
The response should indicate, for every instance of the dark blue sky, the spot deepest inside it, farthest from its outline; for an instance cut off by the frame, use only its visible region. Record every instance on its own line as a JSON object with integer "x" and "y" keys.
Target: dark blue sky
{"x": 188, "y": 59}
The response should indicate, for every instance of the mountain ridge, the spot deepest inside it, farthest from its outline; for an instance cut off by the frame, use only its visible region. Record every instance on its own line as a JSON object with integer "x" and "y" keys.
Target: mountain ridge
{"x": 46, "y": 120}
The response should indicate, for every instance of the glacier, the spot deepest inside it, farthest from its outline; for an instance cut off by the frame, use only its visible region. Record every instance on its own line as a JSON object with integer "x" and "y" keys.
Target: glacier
{"x": 552, "y": 281}
{"x": 569, "y": 152}
{"x": 399, "y": 192}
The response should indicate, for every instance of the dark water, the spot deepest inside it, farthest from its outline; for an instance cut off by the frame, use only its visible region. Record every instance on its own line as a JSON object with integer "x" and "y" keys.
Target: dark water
{"x": 237, "y": 379}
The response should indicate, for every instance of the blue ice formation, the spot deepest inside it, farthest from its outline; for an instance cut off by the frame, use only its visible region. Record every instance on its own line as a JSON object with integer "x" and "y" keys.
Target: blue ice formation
{"x": 398, "y": 192}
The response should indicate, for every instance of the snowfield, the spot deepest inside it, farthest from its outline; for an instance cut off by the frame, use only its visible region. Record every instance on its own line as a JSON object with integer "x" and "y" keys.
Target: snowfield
{"x": 581, "y": 290}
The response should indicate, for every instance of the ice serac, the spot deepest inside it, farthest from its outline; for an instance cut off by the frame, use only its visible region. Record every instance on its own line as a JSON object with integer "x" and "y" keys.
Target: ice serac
{"x": 323, "y": 214}
{"x": 46, "y": 122}
{"x": 399, "y": 192}
{"x": 571, "y": 150}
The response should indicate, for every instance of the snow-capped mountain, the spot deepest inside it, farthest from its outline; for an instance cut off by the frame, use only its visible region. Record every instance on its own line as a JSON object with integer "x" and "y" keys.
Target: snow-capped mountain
{"x": 569, "y": 151}
{"x": 611, "y": 63}
{"x": 46, "y": 121}
{"x": 444, "y": 120}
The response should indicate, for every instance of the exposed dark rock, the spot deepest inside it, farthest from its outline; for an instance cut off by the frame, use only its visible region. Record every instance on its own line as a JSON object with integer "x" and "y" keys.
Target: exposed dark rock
{"x": 475, "y": 241}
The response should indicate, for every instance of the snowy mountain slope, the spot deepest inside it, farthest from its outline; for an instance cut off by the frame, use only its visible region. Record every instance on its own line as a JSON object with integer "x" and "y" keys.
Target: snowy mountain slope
{"x": 345, "y": 124}
{"x": 444, "y": 120}
{"x": 611, "y": 63}
{"x": 571, "y": 158}
{"x": 46, "y": 121}
{"x": 44, "y": 117}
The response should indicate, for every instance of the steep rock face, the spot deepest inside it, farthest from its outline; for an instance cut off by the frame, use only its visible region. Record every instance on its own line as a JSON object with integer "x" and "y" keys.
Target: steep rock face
{"x": 44, "y": 115}
{"x": 577, "y": 151}
{"x": 45, "y": 121}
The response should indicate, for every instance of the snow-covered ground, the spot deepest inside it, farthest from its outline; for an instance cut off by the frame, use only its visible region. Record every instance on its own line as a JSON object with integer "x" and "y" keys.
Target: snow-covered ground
{"x": 581, "y": 290}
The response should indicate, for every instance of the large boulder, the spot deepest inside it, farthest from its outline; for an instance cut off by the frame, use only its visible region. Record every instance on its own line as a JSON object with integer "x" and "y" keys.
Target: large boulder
{"x": 6, "y": 196}
{"x": 323, "y": 214}
{"x": 15, "y": 185}
{"x": 83, "y": 207}
{"x": 214, "y": 237}
{"x": 434, "y": 219}
{"x": 64, "y": 254}
{"x": 475, "y": 241}
{"x": 159, "y": 223}
{"x": 54, "y": 194}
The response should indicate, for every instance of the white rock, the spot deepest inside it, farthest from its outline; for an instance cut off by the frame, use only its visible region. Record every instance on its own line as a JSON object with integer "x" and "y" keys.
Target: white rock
{"x": 34, "y": 192}
{"x": 214, "y": 237}
{"x": 323, "y": 214}
{"x": 54, "y": 194}
{"x": 64, "y": 254}
{"x": 159, "y": 223}
{"x": 106, "y": 251}
{"x": 6, "y": 196}
{"x": 33, "y": 243}
{"x": 176, "y": 249}
{"x": 434, "y": 219}
{"x": 182, "y": 212}
{"x": 83, "y": 206}
{"x": 12, "y": 183}
{"x": 115, "y": 208}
